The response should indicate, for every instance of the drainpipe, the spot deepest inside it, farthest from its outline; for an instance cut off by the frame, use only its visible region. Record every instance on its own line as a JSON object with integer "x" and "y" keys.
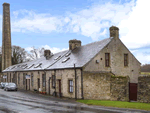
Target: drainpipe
{"x": 75, "y": 82}
{"x": 82, "y": 84}
{"x": 49, "y": 84}
{"x": 45, "y": 79}
{"x": 55, "y": 81}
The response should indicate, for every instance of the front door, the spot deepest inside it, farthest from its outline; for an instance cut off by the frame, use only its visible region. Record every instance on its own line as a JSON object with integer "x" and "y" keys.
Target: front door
{"x": 27, "y": 84}
{"x": 38, "y": 83}
{"x": 133, "y": 91}
{"x": 59, "y": 88}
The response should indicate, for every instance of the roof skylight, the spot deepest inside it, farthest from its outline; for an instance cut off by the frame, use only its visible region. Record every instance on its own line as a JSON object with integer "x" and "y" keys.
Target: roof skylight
{"x": 65, "y": 59}
{"x": 13, "y": 67}
{"x": 57, "y": 57}
{"x": 67, "y": 54}
{"x": 30, "y": 66}
{"x": 25, "y": 67}
{"x": 38, "y": 65}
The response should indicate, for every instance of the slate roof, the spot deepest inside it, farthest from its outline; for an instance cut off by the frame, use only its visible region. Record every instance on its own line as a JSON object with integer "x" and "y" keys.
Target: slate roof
{"x": 79, "y": 56}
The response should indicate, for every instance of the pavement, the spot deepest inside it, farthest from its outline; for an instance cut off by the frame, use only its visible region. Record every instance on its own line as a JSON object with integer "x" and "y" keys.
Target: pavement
{"x": 30, "y": 102}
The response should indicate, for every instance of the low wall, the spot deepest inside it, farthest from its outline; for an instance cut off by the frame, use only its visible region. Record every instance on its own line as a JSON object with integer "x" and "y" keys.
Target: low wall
{"x": 105, "y": 86}
{"x": 119, "y": 88}
{"x": 96, "y": 85}
{"x": 144, "y": 89}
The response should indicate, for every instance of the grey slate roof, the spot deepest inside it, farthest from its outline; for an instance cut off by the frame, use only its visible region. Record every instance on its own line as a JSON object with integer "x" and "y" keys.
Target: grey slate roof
{"x": 79, "y": 56}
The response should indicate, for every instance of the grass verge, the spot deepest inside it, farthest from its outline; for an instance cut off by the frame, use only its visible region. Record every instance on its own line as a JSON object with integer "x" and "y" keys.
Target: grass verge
{"x": 146, "y": 73}
{"x": 119, "y": 104}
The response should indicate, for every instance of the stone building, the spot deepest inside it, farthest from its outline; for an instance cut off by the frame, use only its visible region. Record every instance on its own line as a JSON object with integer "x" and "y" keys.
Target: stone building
{"x": 83, "y": 71}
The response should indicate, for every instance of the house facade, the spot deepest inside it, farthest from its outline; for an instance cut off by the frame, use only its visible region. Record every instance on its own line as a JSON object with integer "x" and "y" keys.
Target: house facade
{"x": 80, "y": 72}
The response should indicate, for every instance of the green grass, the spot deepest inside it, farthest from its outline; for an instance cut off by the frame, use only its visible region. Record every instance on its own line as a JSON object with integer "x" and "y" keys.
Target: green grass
{"x": 119, "y": 104}
{"x": 146, "y": 73}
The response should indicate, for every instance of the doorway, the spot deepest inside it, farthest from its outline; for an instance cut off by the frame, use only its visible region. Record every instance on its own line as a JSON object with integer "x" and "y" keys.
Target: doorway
{"x": 133, "y": 91}
{"x": 38, "y": 83}
{"x": 27, "y": 84}
{"x": 59, "y": 81}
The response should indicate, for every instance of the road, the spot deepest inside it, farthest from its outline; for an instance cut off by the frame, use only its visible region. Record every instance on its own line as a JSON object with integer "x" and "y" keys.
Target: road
{"x": 28, "y": 102}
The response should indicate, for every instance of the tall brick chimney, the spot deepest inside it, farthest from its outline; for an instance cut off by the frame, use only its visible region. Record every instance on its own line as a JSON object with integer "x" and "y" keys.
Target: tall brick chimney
{"x": 74, "y": 43}
{"x": 114, "y": 32}
{"x": 6, "y": 41}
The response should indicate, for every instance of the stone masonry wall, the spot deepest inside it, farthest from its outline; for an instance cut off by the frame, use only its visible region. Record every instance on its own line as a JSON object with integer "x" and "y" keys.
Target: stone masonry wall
{"x": 143, "y": 94}
{"x": 119, "y": 88}
{"x": 96, "y": 85}
{"x": 117, "y": 50}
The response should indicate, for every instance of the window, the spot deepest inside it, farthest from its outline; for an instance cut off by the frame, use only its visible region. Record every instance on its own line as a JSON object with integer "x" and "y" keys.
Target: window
{"x": 107, "y": 56}
{"x": 32, "y": 79}
{"x": 53, "y": 81}
{"x": 10, "y": 78}
{"x": 70, "y": 86}
{"x": 65, "y": 59}
{"x": 57, "y": 57}
{"x": 125, "y": 59}
{"x": 38, "y": 65}
{"x": 44, "y": 80}
{"x": 30, "y": 66}
{"x": 18, "y": 78}
{"x": 67, "y": 54}
{"x": 24, "y": 78}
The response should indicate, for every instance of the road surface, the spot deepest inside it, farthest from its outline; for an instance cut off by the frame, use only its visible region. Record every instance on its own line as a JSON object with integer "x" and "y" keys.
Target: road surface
{"x": 28, "y": 102}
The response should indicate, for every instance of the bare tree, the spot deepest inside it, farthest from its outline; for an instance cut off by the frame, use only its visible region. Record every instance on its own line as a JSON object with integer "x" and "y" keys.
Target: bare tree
{"x": 36, "y": 53}
{"x": 19, "y": 55}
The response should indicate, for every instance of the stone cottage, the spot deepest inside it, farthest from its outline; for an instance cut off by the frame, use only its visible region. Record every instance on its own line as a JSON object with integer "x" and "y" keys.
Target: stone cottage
{"x": 83, "y": 71}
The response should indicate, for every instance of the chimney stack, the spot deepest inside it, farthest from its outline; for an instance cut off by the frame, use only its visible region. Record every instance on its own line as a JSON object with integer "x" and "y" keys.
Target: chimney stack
{"x": 74, "y": 43}
{"x": 6, "y": 34}
{"x": 47, "y": 54}
{"x": 114, "y": 32}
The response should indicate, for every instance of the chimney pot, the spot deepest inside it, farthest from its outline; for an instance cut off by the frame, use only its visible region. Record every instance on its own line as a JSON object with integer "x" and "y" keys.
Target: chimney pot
{"x": 47, "y": 54}
{"x": 114, "y": 32}
{"x": 74, "y": 44}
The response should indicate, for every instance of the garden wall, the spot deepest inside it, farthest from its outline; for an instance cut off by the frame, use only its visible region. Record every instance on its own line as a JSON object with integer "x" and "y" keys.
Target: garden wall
{"x": 144, "y": 89}
{"x": 119, "y": 88}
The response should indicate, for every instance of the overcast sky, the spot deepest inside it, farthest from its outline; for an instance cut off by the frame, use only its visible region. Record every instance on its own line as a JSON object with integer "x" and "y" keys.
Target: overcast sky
{"x": 52, "y": 23}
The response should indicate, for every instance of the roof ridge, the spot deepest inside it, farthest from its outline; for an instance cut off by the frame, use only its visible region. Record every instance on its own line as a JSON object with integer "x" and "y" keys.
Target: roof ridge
{"x": 95, "y": 42}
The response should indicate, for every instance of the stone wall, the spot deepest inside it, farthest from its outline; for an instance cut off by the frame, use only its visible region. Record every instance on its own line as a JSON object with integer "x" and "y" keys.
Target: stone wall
{"x": 104, "y": 86}
{"x": 117, "y": 50}
{"x": 64, "y": 75}
{"x": 119, "y": 88}
{"x": 143, "y": 94}
{"x": 96, "y": 85}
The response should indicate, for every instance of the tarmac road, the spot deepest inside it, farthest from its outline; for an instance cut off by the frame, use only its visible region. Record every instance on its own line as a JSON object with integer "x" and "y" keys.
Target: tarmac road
{"x": 28, "y": 102}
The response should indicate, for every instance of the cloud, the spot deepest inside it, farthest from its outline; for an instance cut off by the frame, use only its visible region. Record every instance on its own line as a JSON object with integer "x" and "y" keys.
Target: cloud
{"x": 88, "y": 22}
{"x": 134, "y": 30}
{"x": 52, "y": 49}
